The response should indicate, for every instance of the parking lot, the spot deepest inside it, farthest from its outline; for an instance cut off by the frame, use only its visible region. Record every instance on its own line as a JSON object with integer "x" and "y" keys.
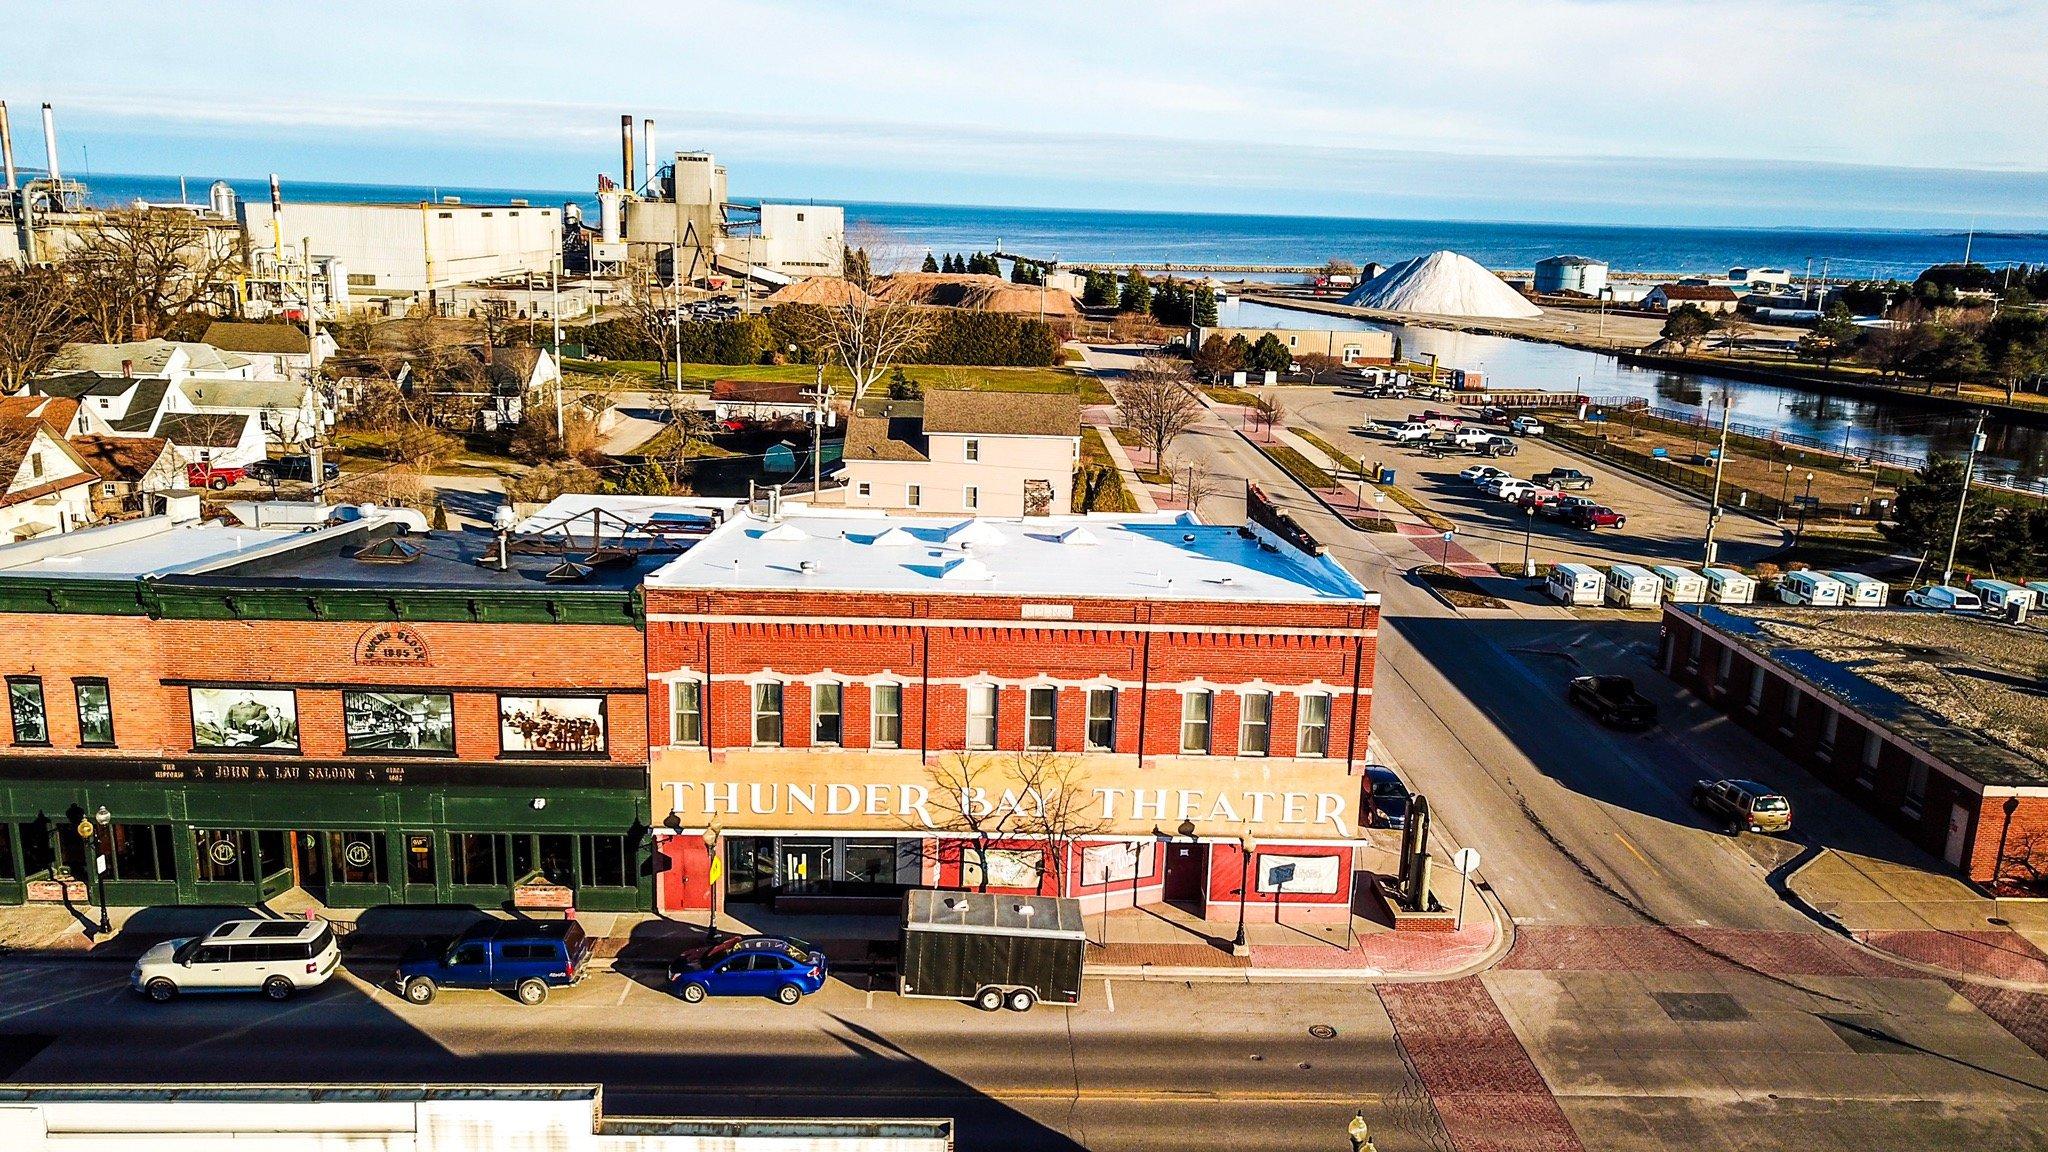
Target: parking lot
{"x": 1664, "y": 526}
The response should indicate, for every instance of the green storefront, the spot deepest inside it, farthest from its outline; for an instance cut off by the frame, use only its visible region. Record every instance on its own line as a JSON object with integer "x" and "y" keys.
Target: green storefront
{"x": 351, "y": 834}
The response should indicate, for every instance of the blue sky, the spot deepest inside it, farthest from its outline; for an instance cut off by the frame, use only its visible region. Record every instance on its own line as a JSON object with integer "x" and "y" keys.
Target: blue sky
{"x": 1738, "y": 112}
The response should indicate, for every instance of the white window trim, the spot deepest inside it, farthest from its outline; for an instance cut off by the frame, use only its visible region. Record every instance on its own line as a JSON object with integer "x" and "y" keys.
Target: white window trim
{"x": 816, "y": 687}
{"x": 875, "y": 714}
{"x": 675, "y": 712}
{"x": 995, "y": 715}
{"x": 1301, "y": 725}
{"x": 1244, "y": 722}
{"x": 754, "y": 712}
{"x": 1208, "y": 722}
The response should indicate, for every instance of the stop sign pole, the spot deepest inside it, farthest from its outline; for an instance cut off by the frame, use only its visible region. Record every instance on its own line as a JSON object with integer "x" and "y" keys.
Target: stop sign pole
{"x": 1466, "y": 861}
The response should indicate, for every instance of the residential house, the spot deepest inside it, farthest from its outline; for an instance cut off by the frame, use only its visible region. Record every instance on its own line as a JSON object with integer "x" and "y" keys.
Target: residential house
{"x": 288, "y": 412}
{"x": 62, "y": 415}
{"x": 763, "y": 401}
{"x": 152, "y": 406}
{"x": 223, "y": 439}
{"x": 517, "y": 373}
{"x": 978, "y": 453}
{"x": 1710, "y": 297}
{"x": 130, "y": 468}
{"x": 279, "y": 351}
{"x": 170, "y": 359}
{"x": 48, "y": 485}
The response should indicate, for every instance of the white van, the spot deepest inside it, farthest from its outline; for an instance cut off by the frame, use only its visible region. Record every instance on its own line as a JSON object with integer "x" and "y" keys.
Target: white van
{"x": 1807, "y": 586}
{"x": 1681, "y": 585}
{"x": 274, "y": 957}
{"x": 1860, "y": 591}
{"x": 1575, "y": 584}
{"x": 1727, "y": 586}
{"x": 1633, "y": 586}
{"x": 2000, "y": 594}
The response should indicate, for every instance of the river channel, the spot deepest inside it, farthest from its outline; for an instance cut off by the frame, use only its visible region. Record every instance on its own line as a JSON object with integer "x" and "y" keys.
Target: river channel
{"x": 2015, "y": 453}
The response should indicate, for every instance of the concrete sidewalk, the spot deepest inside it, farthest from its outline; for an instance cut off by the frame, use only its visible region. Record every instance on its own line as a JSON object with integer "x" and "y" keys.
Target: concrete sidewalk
{"x": 1928, "y": 920}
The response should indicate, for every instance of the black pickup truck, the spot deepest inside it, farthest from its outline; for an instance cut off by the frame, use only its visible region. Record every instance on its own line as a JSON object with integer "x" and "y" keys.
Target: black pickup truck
{"x": 1614, "y": 701}
{"x": 1563, "y": 479}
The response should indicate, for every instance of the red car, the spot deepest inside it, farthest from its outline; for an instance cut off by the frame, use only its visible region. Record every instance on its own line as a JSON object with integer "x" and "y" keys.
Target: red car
{"x": 1595, "y": 516}
{"x": 212, "y": 476}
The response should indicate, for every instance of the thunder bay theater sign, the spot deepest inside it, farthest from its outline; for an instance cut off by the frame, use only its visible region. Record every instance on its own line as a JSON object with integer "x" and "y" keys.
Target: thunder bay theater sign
{"x": 799, "y": 792}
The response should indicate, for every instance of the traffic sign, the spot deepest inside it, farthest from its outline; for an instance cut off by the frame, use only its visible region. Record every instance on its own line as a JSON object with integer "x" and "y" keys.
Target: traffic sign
{"x": 1465, "y": 860}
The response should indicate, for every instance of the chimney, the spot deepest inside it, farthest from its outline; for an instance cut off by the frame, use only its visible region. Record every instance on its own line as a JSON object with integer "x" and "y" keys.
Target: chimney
{"x": 50, "y": 144}
{"x": 647, "y": 150}
{"x": 128, "y": 369}
{"x": 626, "y": 151}
{"x": 7, "y": 148}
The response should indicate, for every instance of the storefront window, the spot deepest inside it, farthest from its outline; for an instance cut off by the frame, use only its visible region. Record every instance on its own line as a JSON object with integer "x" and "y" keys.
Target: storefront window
{"x": 1040, "y": 718}
{"x": 869, "y": 863}
{"x": 477, "y": 859}
{"x": 1102, "y": 719}
{"x": 142, "y": 852}
{"x": 223, "y": 855}
{"x": 686, "y": 713}
{"x": 7, "y": 854}
{"x": 38, "y": 855}
{"x": 1255, "y": 723}
{"x": 95, "y": 713}
{"x": 825, "y": 704}
{"x": 768, "y": 712}
{"x": 355, "y": 857}
{"x": 25, "y": 701}
{"x": 888, "y": 699}
{"x": 1194, "y": 721}
{"x": 1315, "y": 726}
{"x": 419, "y": 857}
{"x": 981, "y": 715}
{"x": 607, "y": 862}
{"x": 549, "y": 857}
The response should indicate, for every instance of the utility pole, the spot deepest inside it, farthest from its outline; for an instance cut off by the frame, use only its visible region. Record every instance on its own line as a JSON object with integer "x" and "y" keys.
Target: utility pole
{"x": 1948, "y": 570}
{"x": 818, "y": 432}
{"x": 555, "y": 314}
{"x": 317, "y": 470}
{"x": 1720, "y": 462}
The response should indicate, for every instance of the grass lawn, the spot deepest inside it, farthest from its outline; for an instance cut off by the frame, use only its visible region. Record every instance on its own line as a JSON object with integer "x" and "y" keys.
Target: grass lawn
{"x": 1228, "y": 395}
{"x": 1459, "y": 591}
{"x": 1114, "y": 497}
{"x": 700, "y": 376}
{"x": 1298, "y": 466}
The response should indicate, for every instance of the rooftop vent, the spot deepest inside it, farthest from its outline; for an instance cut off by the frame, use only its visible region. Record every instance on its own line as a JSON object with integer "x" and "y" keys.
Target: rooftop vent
{"x": 965, "y": 568}
{"x": 568, "y": 572}
{"x": 1078, "y": 536}
{"x": 976, "y": 532}
{"x": 390, "y": 550}
{"x": 807, "y": 566}
{"x": 897, "y": 537}
{"x": 785, "y": 531}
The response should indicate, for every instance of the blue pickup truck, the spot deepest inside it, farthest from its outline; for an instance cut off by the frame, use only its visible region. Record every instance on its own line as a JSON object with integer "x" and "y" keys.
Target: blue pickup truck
{"x": 523, "y": 957}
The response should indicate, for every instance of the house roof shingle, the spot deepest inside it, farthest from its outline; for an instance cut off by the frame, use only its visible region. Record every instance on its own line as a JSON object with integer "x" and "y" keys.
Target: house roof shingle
{"x": 954, "y": 411}
{"x": 205, "y": 429}
{"x": 18, "y": 435}
{"x": 127, "y": 458}
{"x": 886, "y": 430}
{"x": 56, "y": 412}
{"x": 142, "y": 357}
{"x": 283, "y": 395}
{"x": 265, "y": 339}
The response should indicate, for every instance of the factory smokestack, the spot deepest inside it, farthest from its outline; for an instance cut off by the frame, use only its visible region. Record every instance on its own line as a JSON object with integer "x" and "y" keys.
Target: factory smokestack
{"x": 626, "y": 152}
{"x": 7, "y": 147}
{"x": 647, "y": 150}
{"x": 50, "y": 147}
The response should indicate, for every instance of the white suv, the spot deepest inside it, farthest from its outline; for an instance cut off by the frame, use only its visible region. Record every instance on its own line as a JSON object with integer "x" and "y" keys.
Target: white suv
{"x": 274, "y": 957}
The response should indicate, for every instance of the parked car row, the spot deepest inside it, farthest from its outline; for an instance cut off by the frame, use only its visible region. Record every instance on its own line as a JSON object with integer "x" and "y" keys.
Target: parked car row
{"x": 1542, "y": 498}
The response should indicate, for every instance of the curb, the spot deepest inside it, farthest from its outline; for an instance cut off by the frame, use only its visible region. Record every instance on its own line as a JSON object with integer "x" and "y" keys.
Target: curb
{"x": 1835, "y": 925}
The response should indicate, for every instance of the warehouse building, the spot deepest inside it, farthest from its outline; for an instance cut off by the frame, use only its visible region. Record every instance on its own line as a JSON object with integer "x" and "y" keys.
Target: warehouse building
{"x": 1932, "y": 721}
{"x": 1119, "y": 709}
{"x": 368, "y": 711}
{"x": 400, "y": 251}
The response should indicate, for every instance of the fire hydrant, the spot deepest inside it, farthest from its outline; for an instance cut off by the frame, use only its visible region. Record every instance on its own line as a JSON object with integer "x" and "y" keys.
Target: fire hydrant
{"x": 1361, "y": 1136}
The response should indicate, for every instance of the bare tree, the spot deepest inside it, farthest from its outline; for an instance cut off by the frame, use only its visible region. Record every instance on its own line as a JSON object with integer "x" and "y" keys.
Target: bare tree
{"x": 1153, "y": 400}
{"x": 858, "y": 328}
{"x": 1195, "y": 478}
{"x": 1269, "y": 410}
{"x": 652, "y": 312}
{"x": 979, "y": 799}
{"x": 141, "y": 268}
{"x": 1063, "y": 810}
{"x": 1316, "y": 365}
{"x": 37, "y": 318}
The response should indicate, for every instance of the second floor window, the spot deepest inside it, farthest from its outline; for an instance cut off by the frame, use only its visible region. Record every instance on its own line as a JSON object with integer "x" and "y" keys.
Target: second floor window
{"x": 1315, "y": 726}
{"x": 888, "y": 715}
{"x": 970, "y": 497}
{"x": 825, "y": 705}
{"x": 973, "y": 451}
{"x": 913, "y": 495}
{"x": 768, "y": 712}
{"x": 1255, "y": 723}
{"x": 981, "y": 715}
{"x": 1041, "y": 724}
{"x": 1195, "y": 709}
{"x": 25, "y": 702}
{"x": 686, "y": 712}
{"x": 1102, "y": 719}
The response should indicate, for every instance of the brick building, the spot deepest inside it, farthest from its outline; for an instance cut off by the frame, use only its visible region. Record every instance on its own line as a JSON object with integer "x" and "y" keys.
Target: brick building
{"x": 1932, "y": 721}
{"x": 1107, "y": 708}
{"x": 371, "y": 714}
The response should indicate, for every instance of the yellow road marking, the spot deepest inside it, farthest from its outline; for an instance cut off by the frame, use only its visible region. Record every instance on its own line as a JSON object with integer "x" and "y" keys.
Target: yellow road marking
{"x": 1632, "y": 851}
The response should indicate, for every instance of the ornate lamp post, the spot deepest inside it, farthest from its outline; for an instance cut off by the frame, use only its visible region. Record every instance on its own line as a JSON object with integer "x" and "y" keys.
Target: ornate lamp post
{"x": 1245, "y": 846}
{"x": 101, "y": 819}
{"x": 713, "y": 872}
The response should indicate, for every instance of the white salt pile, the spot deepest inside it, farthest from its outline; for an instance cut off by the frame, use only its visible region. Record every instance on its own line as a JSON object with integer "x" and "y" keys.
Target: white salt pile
{"x": 1442, "y": 284}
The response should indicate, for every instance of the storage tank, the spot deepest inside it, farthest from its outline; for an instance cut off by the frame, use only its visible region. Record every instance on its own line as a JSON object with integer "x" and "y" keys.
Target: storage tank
{"x": 222, "y": 199}
{"x": 611, "y": 206}
{"x": 1570, "y": 276}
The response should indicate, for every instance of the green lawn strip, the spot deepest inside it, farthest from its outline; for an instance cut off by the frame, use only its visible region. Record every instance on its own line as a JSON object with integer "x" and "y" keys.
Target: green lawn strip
{"x": 1114, "y": 495}
{"x": 1228, "y": 395}
{"x": 1298, "y": 466}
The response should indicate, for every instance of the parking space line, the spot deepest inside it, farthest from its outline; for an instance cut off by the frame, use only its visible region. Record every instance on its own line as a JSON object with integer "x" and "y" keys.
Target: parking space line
{"x": 1109, "y": 993}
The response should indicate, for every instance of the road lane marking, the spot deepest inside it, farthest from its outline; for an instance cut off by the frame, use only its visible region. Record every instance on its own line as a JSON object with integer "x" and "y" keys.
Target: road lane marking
{"x": 95, "y": 989}
{"x": 625, "y": 986}
{"x": 1632, "y": 851}
{"x": 1109, "y": 992}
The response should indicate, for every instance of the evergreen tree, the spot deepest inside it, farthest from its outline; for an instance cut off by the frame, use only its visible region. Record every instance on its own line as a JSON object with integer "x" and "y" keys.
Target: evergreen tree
{"x": 930, "y": 264}
{"x": 1020, "y": 272}
{"x": 1137, "y": 293}
{"x": 1098, "y": 289}
{"x": 1270, "y": 355}
{"x": 1240, "y": 353}
{"x": 1204, "y": 307}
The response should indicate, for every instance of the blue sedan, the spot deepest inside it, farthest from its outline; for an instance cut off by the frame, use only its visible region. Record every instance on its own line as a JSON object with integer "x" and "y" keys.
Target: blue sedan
{"x": 788, "y": 970}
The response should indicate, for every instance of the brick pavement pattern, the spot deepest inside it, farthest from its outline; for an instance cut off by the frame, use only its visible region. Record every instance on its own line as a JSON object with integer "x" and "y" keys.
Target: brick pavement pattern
{"x": 2024, "y": 1014}
{"x": 1998, "y": 954}
{"x": 1486, "y": 1090}
{"x": 1655, "y": 949}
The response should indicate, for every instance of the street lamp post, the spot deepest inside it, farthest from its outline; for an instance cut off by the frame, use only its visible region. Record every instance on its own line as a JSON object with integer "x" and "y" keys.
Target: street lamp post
{"x": 1245, "y": 846}
{"x": 1528, "y": 542}
{"x": 101, "y": 819}
{"x": 1784, "y": 493}
{"x": 1805, "y": 503}
{"x": 712, "y": 873}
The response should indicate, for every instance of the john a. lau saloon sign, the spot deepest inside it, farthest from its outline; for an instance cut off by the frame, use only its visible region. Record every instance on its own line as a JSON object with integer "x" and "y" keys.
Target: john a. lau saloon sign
{"x": 1322, "y": 813}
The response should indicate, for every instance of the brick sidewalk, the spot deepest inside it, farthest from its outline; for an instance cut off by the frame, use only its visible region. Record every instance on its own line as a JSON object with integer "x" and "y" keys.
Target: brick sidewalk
{"x": 1486, "y": 1090}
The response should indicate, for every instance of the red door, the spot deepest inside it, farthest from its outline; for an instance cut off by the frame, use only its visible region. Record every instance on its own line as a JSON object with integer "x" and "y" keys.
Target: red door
{"x": 1187, "y": 870}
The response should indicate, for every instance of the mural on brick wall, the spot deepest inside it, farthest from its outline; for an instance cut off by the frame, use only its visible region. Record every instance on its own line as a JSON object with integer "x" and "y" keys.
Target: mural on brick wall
{"x": 243, "y": 718}
{"x": 552, "y": 725}
{"x": 399, "y": 721}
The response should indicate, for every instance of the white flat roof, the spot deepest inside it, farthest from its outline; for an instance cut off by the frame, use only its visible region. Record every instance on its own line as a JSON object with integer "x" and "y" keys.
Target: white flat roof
{"x": 1163, "y": 556}
{"x": 153, "y": 545}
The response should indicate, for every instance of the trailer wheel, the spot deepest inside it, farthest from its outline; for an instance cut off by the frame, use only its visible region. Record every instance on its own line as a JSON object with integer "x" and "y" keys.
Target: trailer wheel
{"x": 1020, "y": 1000}
{"x": 989, "y": 999}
